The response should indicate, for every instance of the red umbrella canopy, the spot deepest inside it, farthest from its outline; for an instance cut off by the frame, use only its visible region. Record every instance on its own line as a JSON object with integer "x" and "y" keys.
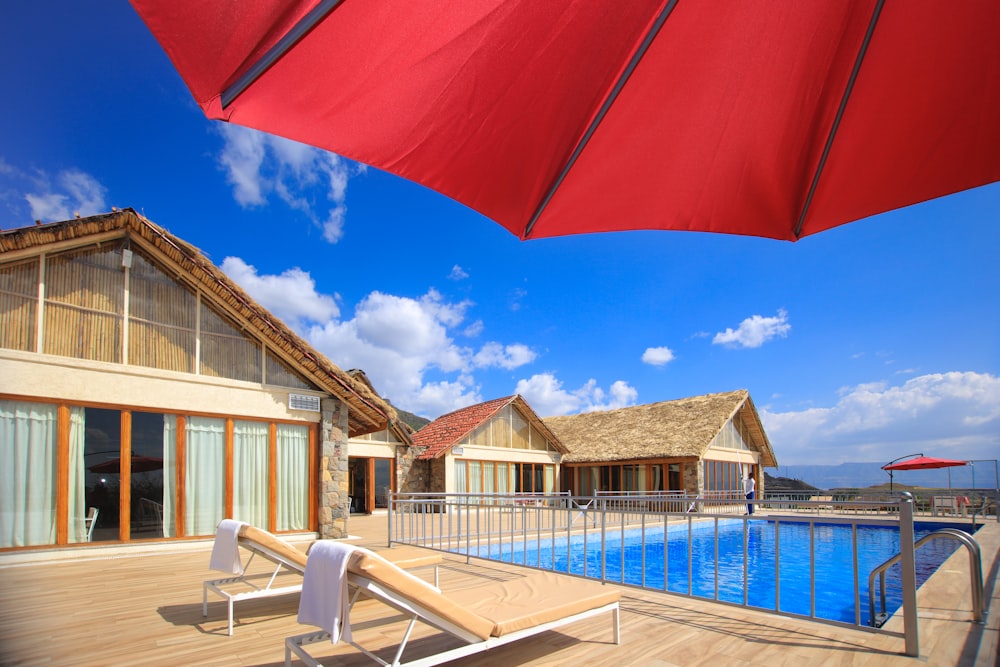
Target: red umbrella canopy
{"x": 139, "y": 464}
{"x": 756, "y": 117}
{"x": 923, "y": 462}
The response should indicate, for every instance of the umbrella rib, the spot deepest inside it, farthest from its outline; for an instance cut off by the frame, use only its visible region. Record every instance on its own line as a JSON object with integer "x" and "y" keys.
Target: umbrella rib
{"x": 275, "y": 53}
{"x": 615, "y": 91}
{"x": 840, "y": 113}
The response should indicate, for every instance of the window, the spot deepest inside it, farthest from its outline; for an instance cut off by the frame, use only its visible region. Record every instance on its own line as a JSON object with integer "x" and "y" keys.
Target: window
{"x": 19, "y": 305}
{"x": 503, "y": 477}
{"x": 167, "y": 326}
{"x": 292, "y": 477}
{"x": 136, "y": 491}
{"x": 508, "y": 429}
{"x": 84, "y": 303}
{"x": 162, "y": 319}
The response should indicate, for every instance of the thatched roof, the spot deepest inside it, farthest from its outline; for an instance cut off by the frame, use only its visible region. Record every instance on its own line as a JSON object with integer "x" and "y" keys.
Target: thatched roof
{"x": 672, "y": 429}
{"x": 367, "y": 412}
{"x": 448, "y": 430}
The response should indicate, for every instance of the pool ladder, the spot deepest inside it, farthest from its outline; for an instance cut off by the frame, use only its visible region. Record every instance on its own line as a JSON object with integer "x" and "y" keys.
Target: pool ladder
{"x": 975, "y": 567}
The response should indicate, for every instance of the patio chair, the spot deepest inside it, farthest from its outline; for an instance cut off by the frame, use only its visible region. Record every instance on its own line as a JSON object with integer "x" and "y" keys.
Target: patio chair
{"x": 481, "y": 617}
{"x": 90, "y": 522}
{"x": 232, "y": 535}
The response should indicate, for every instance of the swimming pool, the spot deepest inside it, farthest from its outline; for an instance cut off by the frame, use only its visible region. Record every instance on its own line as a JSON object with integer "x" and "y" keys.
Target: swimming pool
{"x": 781, "y": 585}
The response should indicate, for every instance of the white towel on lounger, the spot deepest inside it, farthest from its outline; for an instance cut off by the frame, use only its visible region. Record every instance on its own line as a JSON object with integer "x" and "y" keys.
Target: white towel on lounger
{"x": 324, "y": 601}
{"x": 226, "y": 550}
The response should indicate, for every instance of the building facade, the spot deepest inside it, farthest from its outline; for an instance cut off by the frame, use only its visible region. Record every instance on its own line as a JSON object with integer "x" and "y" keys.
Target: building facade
{"x": 140, "y": 384}
{"x": 497, "y": 447}
{"x": 700, "y": 446}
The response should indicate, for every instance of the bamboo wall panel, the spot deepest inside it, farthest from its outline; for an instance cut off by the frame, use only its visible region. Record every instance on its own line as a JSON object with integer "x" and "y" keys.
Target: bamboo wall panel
{"x": 83, "y": 334}
{"x": 84, "y": 302}
{"x": 281, "y": 375}
{"x": 18, "y": 305}
{"x": 84, "y": 318}
{"x": 225, "y": 351}
{"x": 162, "y": 319}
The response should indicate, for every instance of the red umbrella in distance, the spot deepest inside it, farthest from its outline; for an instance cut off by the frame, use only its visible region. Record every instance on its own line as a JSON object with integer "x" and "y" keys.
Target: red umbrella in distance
{"x": 139, "y": 464}
{"x": 921, "y": 462}
{"x": 554, "y": 117}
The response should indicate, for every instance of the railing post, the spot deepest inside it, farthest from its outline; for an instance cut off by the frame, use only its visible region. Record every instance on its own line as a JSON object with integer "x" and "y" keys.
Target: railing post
{"x": 909, "y": 575}
{"x": 392, "y": 505}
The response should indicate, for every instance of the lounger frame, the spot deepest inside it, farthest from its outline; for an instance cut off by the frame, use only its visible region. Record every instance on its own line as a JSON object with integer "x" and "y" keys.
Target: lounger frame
{"x": 281, "y": 561}
{"x": 418, "y": 613}
{"x": 269, "y": 590}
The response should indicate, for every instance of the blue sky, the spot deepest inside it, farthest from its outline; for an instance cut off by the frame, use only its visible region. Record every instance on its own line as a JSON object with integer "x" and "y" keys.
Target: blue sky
{"x": 864, "y": 343}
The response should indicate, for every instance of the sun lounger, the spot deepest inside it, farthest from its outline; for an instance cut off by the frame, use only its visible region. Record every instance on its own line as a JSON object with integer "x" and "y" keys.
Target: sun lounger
{"x": 284, "y": 556}
{"x": 482, "y": 617}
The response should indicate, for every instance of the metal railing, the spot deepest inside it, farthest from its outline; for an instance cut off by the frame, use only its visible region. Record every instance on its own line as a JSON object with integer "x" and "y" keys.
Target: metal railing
{"x": 611, "y": 535}
{"x": 975, "y": 574}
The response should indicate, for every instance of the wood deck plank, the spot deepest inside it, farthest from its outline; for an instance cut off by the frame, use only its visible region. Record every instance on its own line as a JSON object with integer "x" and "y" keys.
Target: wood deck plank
{"x": 145, "y": 608}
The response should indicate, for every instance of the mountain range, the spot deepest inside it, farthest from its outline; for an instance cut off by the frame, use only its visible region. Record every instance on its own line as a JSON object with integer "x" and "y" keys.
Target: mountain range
{"x": 861, "y": 475}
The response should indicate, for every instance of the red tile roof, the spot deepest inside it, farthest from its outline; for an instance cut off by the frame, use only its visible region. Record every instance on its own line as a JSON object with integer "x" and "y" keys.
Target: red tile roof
{"x": 447, "y": 430}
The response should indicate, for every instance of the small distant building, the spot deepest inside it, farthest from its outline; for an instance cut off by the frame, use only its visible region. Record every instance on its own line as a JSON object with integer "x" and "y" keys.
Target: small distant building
{"x": 500, "y": 446}
{"x": 700, "y": 446}
{"x": 378, "y": 462}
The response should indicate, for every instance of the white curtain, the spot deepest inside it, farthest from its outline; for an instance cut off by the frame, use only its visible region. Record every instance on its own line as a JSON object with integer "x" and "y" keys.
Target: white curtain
{"x": 503, "y": 478}
{"x": 204, "y": 475}
{"x": 461, "y": 480}
{"x": 27, "y": 474}
{"x": 293, "y": 477}
{"x": 475, "y": 479}
{"x": 169, "y": 475}
{"x": 77, "y": 476}
{"x": 250, "y": 473}
{"x": 550, "y": 479}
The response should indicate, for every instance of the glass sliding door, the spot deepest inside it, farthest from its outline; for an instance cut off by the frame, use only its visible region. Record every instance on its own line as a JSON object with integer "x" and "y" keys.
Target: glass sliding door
{"x": 383, "y": 482}
{"x": 204, "y": 475}
{"x": 293, "y": 477}
{"x": 102, "y": 452}
{"x": 27, "y": 474}
{"x": 147, "y": 497}
{"x": 251, "y": 448}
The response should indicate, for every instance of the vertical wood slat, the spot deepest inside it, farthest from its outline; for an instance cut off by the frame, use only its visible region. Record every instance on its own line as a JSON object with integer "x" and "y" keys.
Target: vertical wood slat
{"x": 62, "y": 474}
{"x": 314, "y": 475}
{"x": 228, "y": 466}
{"x": 370, "y": 486}
{"x": 272, "y": 477}
{"x": 40, "y": 315}
{"x": 125, "y": 488}
{"x": 180, "y": 476}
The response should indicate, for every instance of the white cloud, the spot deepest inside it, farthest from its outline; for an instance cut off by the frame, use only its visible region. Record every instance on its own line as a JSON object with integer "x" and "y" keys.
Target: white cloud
{"x": 947, "y": 415}
{"x": 503, "y": 356}
{"x": 404, "y": 345}
{"x": 292, "y": 296}
{"x": 72, "y": 192}
{"x": 755, "y": 331}
{"x": 458, "y": 273}
{"x": 546, "y": 395}
{"x": 474, "y": 330}
{"x": 657, "y": 356}
{"x": 307, "y": 179}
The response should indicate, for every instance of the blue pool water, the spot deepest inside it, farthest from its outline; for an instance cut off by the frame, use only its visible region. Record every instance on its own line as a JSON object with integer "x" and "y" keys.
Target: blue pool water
{"x": 833, "y": 555}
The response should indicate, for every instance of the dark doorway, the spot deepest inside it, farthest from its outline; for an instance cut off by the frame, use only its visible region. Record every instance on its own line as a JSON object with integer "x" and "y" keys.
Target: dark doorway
{"x": 357, "y": 471}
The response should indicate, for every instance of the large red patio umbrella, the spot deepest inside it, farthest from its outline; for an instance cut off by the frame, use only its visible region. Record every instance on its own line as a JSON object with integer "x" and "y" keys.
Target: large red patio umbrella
{"x": 760, "y": 117}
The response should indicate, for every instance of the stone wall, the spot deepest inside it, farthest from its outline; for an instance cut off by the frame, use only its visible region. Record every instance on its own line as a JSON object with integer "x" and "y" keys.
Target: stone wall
{"x": 412, "y": 475}
{"x": 334, "y": 499}
{"x": 693, "y": 479}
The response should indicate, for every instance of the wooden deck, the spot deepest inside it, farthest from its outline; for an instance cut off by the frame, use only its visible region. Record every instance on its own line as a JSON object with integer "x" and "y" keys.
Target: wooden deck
{"x": 142, "y": 605}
